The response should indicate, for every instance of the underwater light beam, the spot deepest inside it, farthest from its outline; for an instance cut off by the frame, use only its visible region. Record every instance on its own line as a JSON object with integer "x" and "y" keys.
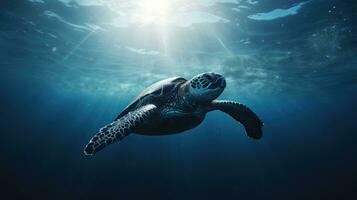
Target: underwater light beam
{"x": 222, "y": 44}
{"x": 78, "y": 45}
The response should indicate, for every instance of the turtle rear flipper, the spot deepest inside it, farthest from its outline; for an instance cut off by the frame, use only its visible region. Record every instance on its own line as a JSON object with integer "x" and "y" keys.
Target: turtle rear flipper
{"x": 118, "y": 129}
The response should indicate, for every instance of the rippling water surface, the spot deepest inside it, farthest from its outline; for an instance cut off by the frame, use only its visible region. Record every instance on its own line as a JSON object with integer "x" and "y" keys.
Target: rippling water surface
{"x": 69, "y": 66}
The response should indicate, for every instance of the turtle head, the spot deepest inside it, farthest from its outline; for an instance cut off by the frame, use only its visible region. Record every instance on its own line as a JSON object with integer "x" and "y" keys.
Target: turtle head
{"x": 205, "y": 87}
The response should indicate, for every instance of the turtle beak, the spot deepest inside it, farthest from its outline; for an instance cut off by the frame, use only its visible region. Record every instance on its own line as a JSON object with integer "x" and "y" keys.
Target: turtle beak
{"x": 222, "y": 82}
{"x": 219, "y": 83}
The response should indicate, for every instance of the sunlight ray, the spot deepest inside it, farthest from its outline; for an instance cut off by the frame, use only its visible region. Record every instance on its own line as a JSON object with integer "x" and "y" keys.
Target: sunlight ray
{"x": 78, "y": 45}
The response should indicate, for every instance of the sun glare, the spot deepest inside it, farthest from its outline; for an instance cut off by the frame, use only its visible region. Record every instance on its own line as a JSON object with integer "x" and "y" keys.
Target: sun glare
{"x": 154, "y": 11}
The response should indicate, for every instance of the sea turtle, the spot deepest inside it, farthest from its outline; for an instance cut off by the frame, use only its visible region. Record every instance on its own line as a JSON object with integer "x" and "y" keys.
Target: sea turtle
{"x": 174, "y": 105}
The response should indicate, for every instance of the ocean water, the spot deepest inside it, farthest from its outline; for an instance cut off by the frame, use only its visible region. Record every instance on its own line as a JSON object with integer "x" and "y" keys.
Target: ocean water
{"x": 69, "y": 66}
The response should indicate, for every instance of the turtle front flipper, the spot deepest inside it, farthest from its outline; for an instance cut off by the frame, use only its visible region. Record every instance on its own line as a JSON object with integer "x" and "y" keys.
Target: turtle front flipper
{"x": 252, "y": 124}
{"x": 118, "y": 129}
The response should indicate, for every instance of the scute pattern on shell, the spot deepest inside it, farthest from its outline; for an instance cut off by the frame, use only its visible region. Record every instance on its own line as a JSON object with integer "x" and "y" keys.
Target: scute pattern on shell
{"x": 161, "y": 89}
{"x": 118, "y": 129}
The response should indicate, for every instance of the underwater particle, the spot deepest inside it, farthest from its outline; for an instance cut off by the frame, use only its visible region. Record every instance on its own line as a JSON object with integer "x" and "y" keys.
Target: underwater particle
{"x": 54, "y": 49}
{"x": 52, "y": 35}
{"x": 327, "y": 41}
{"x": 245, "y": 41}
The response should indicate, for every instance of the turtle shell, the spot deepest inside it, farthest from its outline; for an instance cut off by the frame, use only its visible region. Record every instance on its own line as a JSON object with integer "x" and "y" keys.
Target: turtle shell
{"x": 157, "y": 90}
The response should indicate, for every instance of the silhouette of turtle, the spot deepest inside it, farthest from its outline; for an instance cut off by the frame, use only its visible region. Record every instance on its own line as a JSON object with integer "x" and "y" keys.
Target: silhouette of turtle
{"x": 174, "y": 105}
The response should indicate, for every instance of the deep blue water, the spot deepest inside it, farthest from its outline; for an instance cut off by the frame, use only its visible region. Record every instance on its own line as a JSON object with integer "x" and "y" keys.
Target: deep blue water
{"x": 68, "y": 67}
